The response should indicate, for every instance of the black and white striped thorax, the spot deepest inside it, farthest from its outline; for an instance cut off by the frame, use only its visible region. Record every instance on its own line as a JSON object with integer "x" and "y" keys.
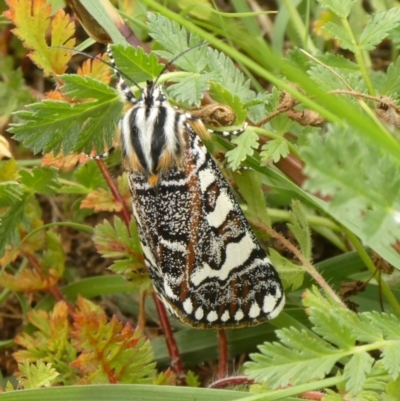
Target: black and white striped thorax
{"x": 203, "y": 258}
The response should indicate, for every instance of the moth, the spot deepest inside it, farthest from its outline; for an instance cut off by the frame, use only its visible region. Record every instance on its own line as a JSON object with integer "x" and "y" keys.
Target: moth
{"x": 205, "y": 263}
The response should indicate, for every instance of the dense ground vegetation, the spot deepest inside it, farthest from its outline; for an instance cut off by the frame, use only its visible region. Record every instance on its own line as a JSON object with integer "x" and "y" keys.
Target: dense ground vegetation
{"x": 318, "y": 84}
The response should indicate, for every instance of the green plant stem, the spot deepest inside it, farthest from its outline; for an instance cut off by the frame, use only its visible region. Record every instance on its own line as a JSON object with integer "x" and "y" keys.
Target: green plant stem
{"x": 284, "y": 215}
{"x": 299, "y": 26}
{"x": 359, "y": 57}
{"x": 387, "y": 292}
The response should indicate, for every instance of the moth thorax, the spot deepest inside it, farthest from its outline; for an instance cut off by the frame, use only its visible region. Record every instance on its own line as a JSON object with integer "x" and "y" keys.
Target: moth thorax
{"x": 152, "y": 139}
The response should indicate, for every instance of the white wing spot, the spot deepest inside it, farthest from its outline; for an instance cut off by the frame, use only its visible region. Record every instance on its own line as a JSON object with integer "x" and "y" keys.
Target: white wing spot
{"x": 254, "y": 310}
{"x": 212, "y": 316}
{"x": 188, "y": 306}
{"x": 199, "y": 313}
{"x": 269, "y": 303}
{"x": 239, "y": 315}
{"x": 225, "y": 316}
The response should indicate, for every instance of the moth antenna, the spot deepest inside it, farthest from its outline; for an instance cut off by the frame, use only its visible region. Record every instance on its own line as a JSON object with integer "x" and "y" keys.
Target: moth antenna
{"x": 122, "y": 86}
{"x": 112, "y": 64}
{"x": 173, "y": 60}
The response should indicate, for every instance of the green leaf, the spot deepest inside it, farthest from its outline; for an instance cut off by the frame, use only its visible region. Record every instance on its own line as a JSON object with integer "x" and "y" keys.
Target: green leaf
{"x": 10, "y": 192}
{"x": 298, "y": 358}
{"x": 299, "y": 227}
{"x": 341, "y": 8}
{"x": 119, "y": 242}
{"x": 356, "y": 371}
{"x": 176, "y": 40}
{"x": 392, "y": 78}
{"x": 378, "y": 27}
{"x": 123, "y": 392}
{"x": 55, "y": 125}
{"x": 13, "y": 92}
{"x": 274, "y": 150}
{"x": 250, "y": 189}
{"x": 42, "y": 180}
{"x": 292, "y": 275}
{"x": 36, "y": 375}
{"x": 135, "y": 63}
{"x": 9, "y": 224}
{"x": 190, "y": 89}
{"x": 391, "y": 359}
{"x": 356, "y": 181}
{"x": 89, "y": 175}
{"x": 246, "y": 143}
{"x": 338, "y": 61}
{"x": 228, "y": 75}
{"x": 340, "y": 34}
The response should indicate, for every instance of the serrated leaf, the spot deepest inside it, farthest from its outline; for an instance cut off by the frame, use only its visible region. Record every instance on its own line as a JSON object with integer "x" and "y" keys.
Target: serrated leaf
{"x": 222, "y": 95}
{"x": 50, "y": 342}
{"x": 190, "y": 89}
{"x": 341, "y": 8}
{"x": 56, "y": 125}
{"x": 246, "y": 143}
{"x": 10, "y": 192}
{"x": 356, "y": 181}
{"x": 300, "y": 358}
{"x": 356, "y": 371}
{"x": 292, "y": 275}
{"x": 176, "y": 40}
{"x": 135, "y": 63}
{"x": 378, "y": 28}
{"x": 45, "y": 276}
{"x": 391, "y": 359}
{"x": 274, "y": 150}
{"x": 42, "y": 180}
{"x": 387, "y": 324}
{"x": 299, "y": 227}
{"x": 120, "y": 243}
{"x": 96, "y": 69}
{"x": 110, "y": 352}
{"x": 392, "y": 78}
{"x": 340, "y": 34}
{"x": 101, "y": 200}
{"x": 33, "y": 22}
{"x": 89, "y": 175}
{"x": 36, "y": 375}
{"x": 228, "y": 75}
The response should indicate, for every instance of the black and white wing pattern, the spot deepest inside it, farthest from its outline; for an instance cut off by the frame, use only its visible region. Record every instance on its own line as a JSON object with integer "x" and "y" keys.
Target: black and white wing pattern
{"x": 204, "y": 260}
{"x": 205, "y": 263}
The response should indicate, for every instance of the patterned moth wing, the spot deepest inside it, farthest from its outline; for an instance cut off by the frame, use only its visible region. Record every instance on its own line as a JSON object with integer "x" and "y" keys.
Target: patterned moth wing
{"x": 205, "y": 263}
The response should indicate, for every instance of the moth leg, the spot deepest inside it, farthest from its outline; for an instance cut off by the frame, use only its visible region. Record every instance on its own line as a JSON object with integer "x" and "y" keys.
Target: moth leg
{"x": 229, "y": 133}
{"x": 101, "y": 156}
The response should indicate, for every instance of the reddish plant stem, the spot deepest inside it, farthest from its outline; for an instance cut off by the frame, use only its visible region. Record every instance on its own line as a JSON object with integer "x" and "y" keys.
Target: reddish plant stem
{"x": 110, "y": 182}
{"x": 223, "y": 354}
{"x": 172, "y": 346}
{"x": 231, "y": 381}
